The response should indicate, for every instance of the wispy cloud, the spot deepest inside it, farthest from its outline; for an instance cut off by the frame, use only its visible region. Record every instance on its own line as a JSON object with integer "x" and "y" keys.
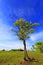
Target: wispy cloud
{"x": 21, "y": 12}
{"x": 11, "y": 45}
{"x": 37, "y": 36}
{"x": 5, "y": 33}
{"x": 7, "y": 40}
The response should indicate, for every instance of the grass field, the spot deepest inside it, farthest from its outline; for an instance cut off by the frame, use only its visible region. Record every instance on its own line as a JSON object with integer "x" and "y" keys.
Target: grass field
{"x": 15, "y": 57}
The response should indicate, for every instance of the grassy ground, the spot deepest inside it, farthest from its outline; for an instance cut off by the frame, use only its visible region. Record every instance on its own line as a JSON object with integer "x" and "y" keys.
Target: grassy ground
{"x": 15, "y": 57}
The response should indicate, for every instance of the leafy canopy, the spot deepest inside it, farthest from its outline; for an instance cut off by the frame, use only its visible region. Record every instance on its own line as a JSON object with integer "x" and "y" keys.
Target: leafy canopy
{"x": 24, "y": 28}
{"x": 39, "y": 46}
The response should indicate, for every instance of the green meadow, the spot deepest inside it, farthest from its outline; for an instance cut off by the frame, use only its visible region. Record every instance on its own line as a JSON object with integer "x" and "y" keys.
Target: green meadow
{"x": 15, "y": 57}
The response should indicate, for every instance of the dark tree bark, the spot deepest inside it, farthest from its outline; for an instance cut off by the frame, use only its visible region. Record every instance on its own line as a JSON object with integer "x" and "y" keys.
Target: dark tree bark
{"x": 26, "y": 57}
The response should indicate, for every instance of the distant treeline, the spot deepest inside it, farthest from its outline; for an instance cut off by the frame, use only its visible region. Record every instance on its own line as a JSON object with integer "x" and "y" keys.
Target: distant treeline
{"x": 13, "y": 50}
{"x": 16, "y": 50}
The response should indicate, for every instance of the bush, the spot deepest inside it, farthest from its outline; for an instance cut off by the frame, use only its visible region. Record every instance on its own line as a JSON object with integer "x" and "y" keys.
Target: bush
{"x": 3, "y": 50}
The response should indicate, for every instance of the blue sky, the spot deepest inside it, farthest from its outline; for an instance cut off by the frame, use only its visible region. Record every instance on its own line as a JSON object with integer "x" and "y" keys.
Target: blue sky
{"x": 10, "y": 11}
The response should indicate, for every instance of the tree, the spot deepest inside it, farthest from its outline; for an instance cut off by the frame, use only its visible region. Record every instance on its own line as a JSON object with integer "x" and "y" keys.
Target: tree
{"x": 22, "y": 30}
{"x": 33, "y": 48}
{"x": 39, "y": 46}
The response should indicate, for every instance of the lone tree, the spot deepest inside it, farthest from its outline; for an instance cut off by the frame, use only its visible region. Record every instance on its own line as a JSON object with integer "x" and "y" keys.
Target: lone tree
{"x": 22, "y": 30}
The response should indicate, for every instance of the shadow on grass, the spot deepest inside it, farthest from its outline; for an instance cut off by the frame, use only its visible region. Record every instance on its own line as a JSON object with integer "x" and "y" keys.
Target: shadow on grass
{"x": 31, "y": 62}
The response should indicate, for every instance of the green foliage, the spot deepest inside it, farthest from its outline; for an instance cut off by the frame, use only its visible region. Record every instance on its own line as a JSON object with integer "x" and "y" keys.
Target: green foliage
{"x": 24, "y": 28}
{"x": 39, "y": 46}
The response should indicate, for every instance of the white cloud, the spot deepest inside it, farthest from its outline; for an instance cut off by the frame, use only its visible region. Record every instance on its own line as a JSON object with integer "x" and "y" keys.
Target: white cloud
{"x": 37, "y": 36}
{"x": 4, "y": 31}
{"x": 11, "y": 45}
{"x": 7, "y": 40}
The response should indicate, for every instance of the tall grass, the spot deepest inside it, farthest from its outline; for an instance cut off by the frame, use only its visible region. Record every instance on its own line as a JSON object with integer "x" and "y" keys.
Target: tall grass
{"x": 14, "y": 57}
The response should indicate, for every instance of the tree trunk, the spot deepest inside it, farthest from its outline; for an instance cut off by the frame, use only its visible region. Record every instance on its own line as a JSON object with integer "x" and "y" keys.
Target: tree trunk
{"x": 26, "y": 57}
